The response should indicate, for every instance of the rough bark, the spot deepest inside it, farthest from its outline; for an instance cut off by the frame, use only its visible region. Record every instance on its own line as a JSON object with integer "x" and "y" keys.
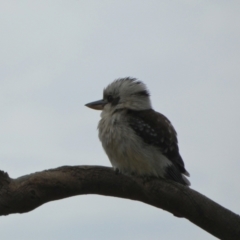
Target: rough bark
{"x": 28, "y": 192}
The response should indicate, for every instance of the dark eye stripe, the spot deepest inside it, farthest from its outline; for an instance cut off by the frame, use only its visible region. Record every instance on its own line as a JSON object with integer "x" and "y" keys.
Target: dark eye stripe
{"x": 143, "y": 93}
{"x": 110, "y": 98}
{"x": 115, "y": 101}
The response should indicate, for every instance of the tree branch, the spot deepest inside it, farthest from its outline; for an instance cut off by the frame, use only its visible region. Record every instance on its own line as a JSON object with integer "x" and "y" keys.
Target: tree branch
{"x": 31, "y": 191}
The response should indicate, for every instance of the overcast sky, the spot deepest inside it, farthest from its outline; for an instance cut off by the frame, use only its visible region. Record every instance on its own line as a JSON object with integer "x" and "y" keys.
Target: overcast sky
{"x": 55, "y": 56}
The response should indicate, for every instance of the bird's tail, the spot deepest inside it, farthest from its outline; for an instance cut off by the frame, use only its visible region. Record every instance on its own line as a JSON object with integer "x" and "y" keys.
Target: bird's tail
{"x": 172, "y": 173}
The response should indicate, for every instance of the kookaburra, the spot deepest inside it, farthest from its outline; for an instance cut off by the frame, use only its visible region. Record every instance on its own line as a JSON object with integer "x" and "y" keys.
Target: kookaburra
{"x": 137, "y": 139}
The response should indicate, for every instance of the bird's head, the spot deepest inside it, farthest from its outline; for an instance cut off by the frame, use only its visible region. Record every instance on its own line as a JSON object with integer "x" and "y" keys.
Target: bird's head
{"x": 123, "y": 93}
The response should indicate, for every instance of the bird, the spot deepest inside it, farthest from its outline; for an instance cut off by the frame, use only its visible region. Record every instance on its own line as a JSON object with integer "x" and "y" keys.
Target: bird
{"x": 138, "y": 140}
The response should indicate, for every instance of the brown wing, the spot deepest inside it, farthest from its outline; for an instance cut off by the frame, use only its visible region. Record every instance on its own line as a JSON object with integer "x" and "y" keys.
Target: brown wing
{"x": 155, "y": 129}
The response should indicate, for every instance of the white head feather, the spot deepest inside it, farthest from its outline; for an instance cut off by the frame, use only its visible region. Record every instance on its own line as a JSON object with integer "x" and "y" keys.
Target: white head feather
{"x": 127, "y": 93}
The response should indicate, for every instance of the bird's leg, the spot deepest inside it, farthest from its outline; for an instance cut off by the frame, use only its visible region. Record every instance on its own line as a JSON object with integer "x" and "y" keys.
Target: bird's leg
{"x": 147, "y": 179}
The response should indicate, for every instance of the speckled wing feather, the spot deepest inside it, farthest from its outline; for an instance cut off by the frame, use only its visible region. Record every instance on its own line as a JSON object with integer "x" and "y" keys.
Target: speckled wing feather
{"x": 155, "y": 129}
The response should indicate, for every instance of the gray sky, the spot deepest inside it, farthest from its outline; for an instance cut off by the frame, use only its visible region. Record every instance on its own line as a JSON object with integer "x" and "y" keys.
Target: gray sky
{"x": 55, "y": 56}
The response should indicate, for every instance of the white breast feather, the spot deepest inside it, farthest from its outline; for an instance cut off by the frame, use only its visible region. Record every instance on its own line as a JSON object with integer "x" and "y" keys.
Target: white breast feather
{"x": 127, "y": 151}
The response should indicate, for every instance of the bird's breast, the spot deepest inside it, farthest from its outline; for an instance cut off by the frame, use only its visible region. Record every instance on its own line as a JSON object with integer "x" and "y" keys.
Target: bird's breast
{"x": 111, "y": 131}
{"x": 126, "y": 150}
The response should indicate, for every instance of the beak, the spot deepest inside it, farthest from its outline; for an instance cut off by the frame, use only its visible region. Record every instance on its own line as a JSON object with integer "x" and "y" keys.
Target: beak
{"x": 97, "y": 105}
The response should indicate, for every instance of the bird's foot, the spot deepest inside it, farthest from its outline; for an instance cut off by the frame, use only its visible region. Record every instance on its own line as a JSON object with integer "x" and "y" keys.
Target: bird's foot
{"x": 116, "y": 170}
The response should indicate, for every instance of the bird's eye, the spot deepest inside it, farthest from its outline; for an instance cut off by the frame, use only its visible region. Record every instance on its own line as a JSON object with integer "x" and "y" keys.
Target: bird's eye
{"x": 109, "y": 98}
